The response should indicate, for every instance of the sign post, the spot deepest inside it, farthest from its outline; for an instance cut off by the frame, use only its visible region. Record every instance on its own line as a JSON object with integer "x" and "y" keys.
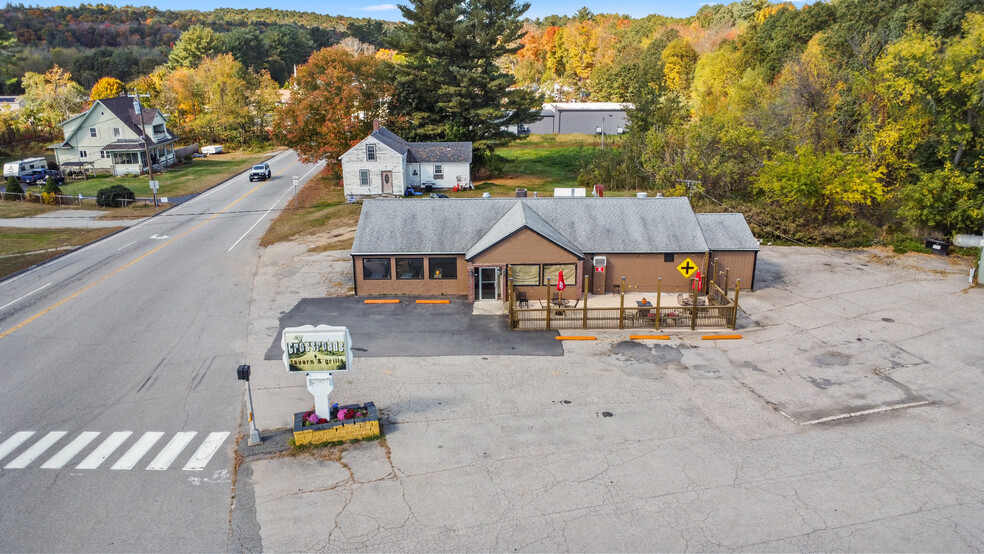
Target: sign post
{"x": 972, "y": 241}
{"x": 242, "y": 373}
{"x": 154, "y": 185}
{"x": 317, "y": 352}
{"x": 296, "y": 179}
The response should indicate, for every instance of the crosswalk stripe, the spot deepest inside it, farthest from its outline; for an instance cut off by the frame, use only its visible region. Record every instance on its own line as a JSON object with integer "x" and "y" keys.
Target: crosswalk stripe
{"x": 137, "y": 451}
{"x": 66, "y": 454}
{"x": 171, "y": 451}
{"x": 35, "y": 450}
{"x": 13, "y": 442}
{"x": 104, "y": 450}
{"x": 205, "y": 452}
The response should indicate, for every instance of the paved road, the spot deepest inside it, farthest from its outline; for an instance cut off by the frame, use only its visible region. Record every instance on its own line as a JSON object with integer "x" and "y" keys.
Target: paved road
{"x": 118, "y": 400}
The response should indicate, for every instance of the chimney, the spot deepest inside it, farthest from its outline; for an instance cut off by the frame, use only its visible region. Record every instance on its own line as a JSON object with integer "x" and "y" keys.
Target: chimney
{"x": 375, "y": 125}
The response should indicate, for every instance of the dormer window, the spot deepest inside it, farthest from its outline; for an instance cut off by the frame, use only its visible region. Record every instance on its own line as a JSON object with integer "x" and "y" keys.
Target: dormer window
{"x": 370, "y": 152}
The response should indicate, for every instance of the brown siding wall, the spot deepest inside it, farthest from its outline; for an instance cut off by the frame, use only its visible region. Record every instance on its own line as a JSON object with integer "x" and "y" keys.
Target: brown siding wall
{"x": 642, "y": 271}
{"x": 417, "y": 287}
{"x": 527, "y": 247}
{"x": 741, "y": 265}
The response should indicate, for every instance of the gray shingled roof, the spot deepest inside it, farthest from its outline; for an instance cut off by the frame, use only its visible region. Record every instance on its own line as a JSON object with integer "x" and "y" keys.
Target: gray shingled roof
{"x": 518, "y": 217}
{"x": 589, "y": 225}
{"x": 727, "y": 232}
{"x": 436, "y": 152}
{"x": 390, "y": 139}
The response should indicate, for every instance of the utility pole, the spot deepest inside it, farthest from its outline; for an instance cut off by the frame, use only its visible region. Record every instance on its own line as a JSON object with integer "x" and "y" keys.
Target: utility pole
{"x": 143, "y": 131}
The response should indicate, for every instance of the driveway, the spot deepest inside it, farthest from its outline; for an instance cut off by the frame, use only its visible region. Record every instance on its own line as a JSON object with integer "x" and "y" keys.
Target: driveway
{"x": 415, "y": 330}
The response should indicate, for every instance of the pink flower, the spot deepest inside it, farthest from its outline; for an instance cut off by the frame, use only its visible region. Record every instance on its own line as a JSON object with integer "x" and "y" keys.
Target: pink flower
{"x": 345, "y": 413}
{"x": 311, "y": 417}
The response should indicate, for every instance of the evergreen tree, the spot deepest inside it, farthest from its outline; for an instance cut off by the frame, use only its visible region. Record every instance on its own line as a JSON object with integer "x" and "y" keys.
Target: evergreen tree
{"x": 450, "y": 87}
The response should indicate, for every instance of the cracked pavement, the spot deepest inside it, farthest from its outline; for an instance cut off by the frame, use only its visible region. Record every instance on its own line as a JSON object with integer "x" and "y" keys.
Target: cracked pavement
{"x": 748, "y": 445}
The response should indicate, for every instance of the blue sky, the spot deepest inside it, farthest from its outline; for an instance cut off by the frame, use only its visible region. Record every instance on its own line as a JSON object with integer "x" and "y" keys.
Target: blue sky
{"x": 386, "y": 9}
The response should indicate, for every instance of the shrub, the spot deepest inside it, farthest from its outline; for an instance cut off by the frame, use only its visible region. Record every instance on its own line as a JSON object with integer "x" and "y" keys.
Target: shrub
{"x": 49, "y": 198}
{"x": 110, "y": 197}
{"x": 13, "y": 185}
{"x": 51, "y": 187}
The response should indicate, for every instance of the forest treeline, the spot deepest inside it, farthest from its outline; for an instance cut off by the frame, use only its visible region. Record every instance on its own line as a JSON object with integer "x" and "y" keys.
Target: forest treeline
{"x": 838, "y": 122}
{"x": 99, "y": 40}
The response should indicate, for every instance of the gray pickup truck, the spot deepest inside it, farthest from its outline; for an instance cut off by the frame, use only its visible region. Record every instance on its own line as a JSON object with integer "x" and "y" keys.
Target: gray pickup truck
{"x": 260, "y": 171}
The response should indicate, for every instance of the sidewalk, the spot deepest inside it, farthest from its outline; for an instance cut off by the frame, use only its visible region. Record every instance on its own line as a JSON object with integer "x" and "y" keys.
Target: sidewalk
{"x": 69, "y": 219}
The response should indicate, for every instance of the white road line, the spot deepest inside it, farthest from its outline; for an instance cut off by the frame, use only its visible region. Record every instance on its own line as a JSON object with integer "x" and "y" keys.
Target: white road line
{"x": 125, "y": 245}
{"x": 877, "y": 410}
{"x": 103, "y": 451}
{"x": 205, "y": 452}
{"x": 66, "y": 454}
{"x": 36, "y": 450}
{"x": 262, "y": 217}
{"x": 25, "y": 296}
{"x": 137, "y": 451}
{"x": 13, "y": 442}
{"x": 171, "y": 451}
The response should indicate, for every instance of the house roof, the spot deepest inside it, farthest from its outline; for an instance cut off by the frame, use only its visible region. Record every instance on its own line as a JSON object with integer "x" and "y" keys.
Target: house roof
{"x": 435, "y": 152}
{"x": 726, "y": 232}
{"x": 421, "y": 152}
{"x": 122, "y": 108}
{"x": 469, "y": 226}
{"x": 518, "y": 217}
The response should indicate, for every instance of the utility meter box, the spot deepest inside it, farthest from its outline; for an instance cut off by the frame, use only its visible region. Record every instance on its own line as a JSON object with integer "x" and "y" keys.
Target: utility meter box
{"x": 599, "y": 275}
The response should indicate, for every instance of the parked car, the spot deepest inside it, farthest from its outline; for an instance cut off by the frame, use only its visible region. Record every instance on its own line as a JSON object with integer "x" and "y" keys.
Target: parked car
{"x": 39, "y": 176}
{"x": 260, "y": 171}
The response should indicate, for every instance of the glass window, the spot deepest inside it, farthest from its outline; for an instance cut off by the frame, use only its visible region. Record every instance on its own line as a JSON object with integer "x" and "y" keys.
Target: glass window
{"x": 443, "y": 268}
{"x": 117, "y": 132}
{"x": 551, "y": 270}
{"x": 409, "y": 268}
{"x": 103, "y": 154}
{"x": 438, "y": 171}
{"x": 83, "y": 154}
{"x": 364, "y": 177}
{"x": 370, "y": 152}
{"x": 375, "y": 268}
{"x": 92, "y": 132}
{"x": 667, "y": 257}
{"x": 526, "y": 274}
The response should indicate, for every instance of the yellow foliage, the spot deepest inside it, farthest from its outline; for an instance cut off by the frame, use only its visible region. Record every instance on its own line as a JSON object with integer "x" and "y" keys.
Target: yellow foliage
{"x": 48, "y": 198}
{"x": 769, "y": 11}
{"x": 107, "y": 87}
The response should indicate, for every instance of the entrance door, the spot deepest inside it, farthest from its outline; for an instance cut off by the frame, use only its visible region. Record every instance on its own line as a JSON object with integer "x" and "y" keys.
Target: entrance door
{"x": 487, "y": 283}
{"x": 387, "y": 182}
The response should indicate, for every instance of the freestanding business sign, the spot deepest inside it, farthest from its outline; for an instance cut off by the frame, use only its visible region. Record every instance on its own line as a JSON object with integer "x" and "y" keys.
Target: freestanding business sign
{"x": 322, "y": 348}
{"x": 318, "y": 351}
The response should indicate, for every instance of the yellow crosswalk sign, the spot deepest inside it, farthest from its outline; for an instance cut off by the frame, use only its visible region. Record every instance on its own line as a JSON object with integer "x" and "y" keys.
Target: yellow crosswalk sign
{"x": 687, "y": 268}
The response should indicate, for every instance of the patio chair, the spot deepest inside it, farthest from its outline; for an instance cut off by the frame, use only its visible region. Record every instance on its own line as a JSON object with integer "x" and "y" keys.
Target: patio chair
{"x": 522, "y": 299}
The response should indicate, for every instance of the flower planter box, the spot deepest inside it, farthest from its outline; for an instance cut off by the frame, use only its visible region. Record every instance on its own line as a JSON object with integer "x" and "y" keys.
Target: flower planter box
{"x": 359, "y": 428}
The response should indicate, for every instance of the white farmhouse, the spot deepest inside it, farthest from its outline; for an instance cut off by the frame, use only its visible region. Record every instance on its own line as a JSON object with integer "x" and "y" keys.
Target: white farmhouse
{"x": 383, "y": 163}
{"x": 115, "y": 136}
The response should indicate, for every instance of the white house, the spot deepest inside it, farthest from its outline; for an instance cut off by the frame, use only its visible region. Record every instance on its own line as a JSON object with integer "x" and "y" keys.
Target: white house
{"x": 115, "y": 135}
{"x": 383, "y": 163}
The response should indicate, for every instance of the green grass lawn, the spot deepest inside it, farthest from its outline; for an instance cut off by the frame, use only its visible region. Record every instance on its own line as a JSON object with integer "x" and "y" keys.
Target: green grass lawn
{"x": 22, "y": 248}
{"x": 188, "y": 178}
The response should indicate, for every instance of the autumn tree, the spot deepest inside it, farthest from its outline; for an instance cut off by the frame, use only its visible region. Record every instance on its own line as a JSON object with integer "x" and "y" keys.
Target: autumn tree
{"x": 107, "y": 87}
{"x": 334, "y": 99}
{"x": 219, "y": 101}
{"x": 52, "y": 97}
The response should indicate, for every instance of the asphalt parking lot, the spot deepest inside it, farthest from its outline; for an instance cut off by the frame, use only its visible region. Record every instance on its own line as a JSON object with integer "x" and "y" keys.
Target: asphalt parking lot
{"x": 409, "y": 329}
{"x": 848, "y": 418}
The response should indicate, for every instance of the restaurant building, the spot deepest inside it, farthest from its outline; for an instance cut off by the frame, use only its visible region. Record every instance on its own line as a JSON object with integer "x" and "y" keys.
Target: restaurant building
{"x": 473, "y": 246}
